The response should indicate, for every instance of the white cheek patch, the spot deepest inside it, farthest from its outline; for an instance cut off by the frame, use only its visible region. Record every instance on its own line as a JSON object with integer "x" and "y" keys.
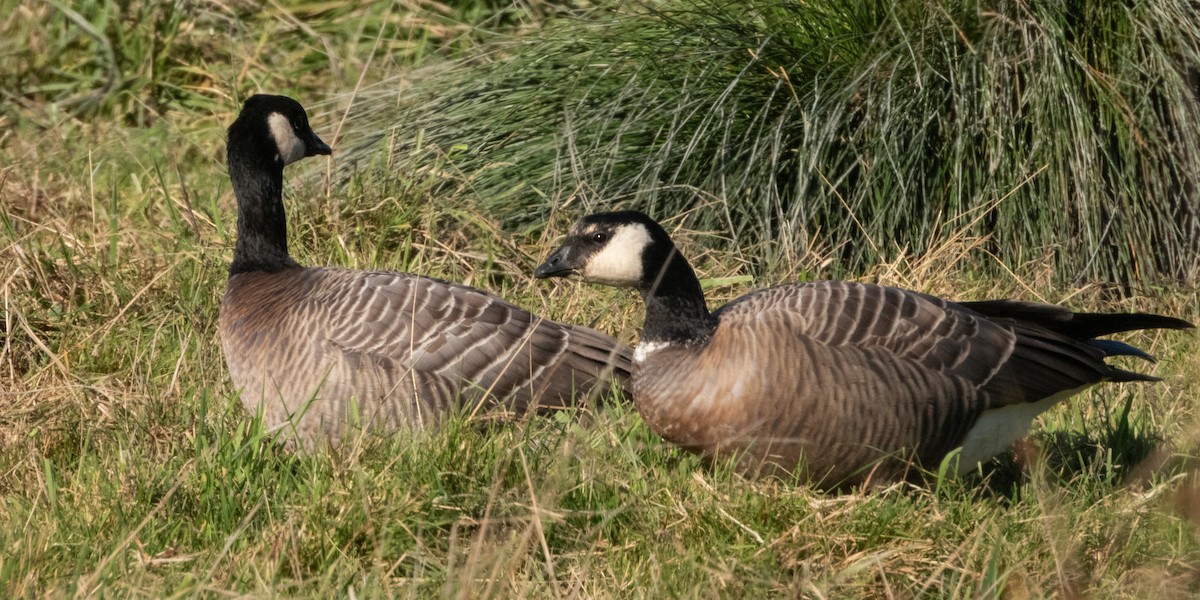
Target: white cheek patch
{"x": 619, "y": 262}
{"x": 291, "y": 147}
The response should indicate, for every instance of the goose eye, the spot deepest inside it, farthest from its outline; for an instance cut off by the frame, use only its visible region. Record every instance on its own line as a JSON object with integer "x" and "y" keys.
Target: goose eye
{"x": 599, "y": 237}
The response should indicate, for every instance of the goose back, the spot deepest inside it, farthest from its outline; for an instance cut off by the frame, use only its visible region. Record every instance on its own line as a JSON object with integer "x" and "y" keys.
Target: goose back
{"x": 844, "y": 381}
{"x": 318, "y": 349}
{"x": 855, "y": 381}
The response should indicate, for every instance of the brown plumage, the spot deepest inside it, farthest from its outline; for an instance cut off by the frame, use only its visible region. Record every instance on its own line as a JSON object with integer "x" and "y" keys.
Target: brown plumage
{"x": 316, "y": 349}
{"x": 848, "y": 382}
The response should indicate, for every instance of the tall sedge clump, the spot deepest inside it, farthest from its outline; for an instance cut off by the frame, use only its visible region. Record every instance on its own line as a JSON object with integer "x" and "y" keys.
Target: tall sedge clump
{"x": 863, "y": 129}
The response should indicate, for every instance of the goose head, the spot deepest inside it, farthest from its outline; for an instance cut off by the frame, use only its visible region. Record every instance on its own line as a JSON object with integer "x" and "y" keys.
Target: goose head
{"x": 270, "y": 133}
{"x": 620, "y": 249}
{"x": 273, "y": 129}
{"x": 629, "y": 249}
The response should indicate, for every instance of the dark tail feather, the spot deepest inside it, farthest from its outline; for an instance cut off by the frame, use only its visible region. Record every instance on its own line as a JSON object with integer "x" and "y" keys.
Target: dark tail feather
{"x": 1115, "y": 348}
{"x": 1078, "y": 325}
{"x": 1092, "y": 325}
{"x": 1123, "y": 375}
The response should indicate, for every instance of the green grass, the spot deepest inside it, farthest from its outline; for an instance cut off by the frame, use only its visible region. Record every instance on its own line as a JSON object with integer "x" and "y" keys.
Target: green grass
{"x": 859, "y": 130}
{"x": 127, "y": 466}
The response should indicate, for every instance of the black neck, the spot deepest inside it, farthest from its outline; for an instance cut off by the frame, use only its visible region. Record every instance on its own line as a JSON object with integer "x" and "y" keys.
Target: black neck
{"x": 262, "y": 223}
{"x": 675, "y": 308}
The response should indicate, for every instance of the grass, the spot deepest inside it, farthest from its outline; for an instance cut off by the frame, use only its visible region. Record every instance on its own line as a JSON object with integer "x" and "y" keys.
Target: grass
{"x": 128, "y": 468}
{"x": 866, "y": 129}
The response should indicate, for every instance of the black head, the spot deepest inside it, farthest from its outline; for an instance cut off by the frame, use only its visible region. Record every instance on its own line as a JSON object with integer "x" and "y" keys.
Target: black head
{"x": 616, "y": 248}
{"x": 270, "y": 133}
{"x": 274, "y": 128}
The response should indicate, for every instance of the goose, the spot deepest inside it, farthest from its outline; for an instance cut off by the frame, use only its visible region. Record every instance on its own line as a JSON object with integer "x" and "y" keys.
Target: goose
{"x": 839, "y": 384}
{"x": 317, "y": 350}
